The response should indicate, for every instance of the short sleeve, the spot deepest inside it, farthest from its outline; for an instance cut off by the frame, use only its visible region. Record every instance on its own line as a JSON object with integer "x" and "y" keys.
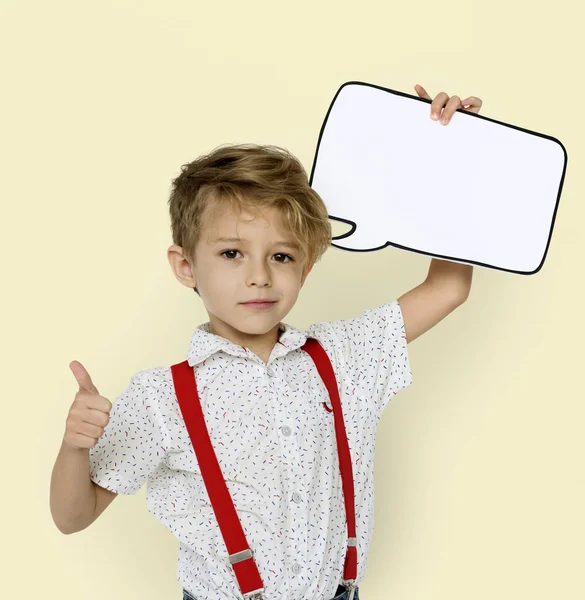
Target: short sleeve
{"x": 134, "y": 441}
{"x": 375, "y": 352}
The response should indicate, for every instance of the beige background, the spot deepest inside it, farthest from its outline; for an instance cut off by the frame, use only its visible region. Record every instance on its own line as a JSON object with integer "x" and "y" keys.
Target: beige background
{"x": 480, "y": 483}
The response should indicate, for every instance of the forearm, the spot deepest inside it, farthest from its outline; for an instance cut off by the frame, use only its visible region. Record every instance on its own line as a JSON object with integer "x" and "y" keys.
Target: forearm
{"x": 451, "y": 276}
{"x": 72, "y": 496}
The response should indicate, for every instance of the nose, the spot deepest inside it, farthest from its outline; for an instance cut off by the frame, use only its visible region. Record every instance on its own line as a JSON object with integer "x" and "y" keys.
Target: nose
{"x": 258, "y": 273}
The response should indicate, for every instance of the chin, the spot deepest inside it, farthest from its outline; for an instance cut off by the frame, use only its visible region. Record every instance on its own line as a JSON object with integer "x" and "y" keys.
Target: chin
{"x": 254, "y": 323}
{"x": 255, "y": 328}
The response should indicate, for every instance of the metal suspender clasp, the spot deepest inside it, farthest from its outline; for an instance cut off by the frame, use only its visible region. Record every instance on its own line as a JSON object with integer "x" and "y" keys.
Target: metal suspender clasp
{"x": 349, "y": 584}
{"x": 350, "y": 587}
{"x": 240, "y": 556}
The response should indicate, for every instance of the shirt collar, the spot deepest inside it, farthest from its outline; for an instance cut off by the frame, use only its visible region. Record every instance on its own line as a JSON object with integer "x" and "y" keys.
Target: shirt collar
{"x": 204, "y": 344}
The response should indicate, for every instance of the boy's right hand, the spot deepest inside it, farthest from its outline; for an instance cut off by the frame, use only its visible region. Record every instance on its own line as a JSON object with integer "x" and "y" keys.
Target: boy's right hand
{"x": 89, "y": 413}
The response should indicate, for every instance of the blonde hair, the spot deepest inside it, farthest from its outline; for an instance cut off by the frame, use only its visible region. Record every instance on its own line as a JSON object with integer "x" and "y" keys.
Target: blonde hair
{"x": 255, "y": 176}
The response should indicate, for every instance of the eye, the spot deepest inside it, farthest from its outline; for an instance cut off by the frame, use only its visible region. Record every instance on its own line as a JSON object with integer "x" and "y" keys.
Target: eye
{"x": 226, "y": 251}
{"x": 290, "y": 258}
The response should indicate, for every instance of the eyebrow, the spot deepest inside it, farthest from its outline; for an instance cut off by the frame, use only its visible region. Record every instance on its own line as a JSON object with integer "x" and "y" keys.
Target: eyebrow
{"x": 239, "y": 240}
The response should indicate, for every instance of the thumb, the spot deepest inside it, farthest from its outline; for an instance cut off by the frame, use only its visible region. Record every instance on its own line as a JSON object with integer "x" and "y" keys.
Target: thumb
{"x": 82, "y": 377}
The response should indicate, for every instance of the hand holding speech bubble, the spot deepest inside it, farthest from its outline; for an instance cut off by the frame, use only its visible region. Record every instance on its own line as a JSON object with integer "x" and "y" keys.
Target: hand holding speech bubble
{"x": 476, "y": 191}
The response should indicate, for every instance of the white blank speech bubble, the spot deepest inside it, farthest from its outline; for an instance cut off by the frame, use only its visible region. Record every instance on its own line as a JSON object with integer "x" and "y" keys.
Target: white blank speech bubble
{"x": 474, "y": 191}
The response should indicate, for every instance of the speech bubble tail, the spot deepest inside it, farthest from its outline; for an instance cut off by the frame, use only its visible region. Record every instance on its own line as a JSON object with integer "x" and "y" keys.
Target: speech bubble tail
{"x": 356, "y": 238}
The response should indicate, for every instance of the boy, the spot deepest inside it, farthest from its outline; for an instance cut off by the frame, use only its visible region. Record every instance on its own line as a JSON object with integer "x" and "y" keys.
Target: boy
{"x": 247, "y": 230}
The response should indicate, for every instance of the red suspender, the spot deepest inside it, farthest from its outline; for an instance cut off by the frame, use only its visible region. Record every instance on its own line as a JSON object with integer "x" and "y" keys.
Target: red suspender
{"x": 323, "y": 364}
{"x": 186, "y": 389}
{"x": 241, "y": 556}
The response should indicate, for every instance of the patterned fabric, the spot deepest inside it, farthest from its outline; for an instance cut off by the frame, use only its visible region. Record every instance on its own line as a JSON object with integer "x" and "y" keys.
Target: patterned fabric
{"x": 340, "y": 594}
{"x": 275, "y": 443}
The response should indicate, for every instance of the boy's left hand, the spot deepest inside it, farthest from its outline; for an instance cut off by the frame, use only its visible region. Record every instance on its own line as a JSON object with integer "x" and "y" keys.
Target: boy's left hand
{"x": 448, "y": 105}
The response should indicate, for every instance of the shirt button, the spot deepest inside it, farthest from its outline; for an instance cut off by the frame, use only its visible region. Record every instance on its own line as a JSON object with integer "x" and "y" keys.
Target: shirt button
{"x": 296, "y": 568}
{"x": 297, "y": 498}
{"x": 270, "y": 371}
{"x": 286, "y": 430}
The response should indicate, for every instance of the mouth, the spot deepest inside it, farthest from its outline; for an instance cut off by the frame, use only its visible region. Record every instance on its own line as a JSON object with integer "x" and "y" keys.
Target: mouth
{"x": 259, "y": 304}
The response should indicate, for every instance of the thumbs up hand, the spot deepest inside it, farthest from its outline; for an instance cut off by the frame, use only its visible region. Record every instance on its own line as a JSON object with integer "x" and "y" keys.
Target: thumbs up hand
{"x": 89, "y": 413}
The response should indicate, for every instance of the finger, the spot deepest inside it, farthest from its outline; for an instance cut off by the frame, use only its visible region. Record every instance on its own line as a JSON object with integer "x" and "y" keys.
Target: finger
{"x": 82, "y": 377}
{"x": 98, "y": 408}
{"x": 80, "y": 440}
{"x": 420, "y": 90}
{"x": 91, "y": 429}
{"x": 97, "y": 415}
{"x": 453, "y": 104}
{"x": 472, "y": 104}
{"x": 437, "y": 104}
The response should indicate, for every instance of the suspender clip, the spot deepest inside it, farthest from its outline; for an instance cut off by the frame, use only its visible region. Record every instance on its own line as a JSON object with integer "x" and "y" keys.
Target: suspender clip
{"x": 240, "y": 556}
{"x": 255, "y": 595}
{"x": 350, "y": 587}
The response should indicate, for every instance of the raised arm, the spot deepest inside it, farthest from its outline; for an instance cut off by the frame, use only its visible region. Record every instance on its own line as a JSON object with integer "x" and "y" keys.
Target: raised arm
{"x": 446, "y": 287}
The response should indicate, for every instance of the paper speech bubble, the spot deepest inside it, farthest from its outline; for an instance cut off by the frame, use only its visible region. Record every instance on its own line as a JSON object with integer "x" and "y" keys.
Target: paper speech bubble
{"x": 475, "y": 191}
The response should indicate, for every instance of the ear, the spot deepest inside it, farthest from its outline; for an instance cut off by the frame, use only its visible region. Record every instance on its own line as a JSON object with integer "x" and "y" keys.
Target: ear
{"x": 181, "y": 266}
{"x": 305, "y": 273}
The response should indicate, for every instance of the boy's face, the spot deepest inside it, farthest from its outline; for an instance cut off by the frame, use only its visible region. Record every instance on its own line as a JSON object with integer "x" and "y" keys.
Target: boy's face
{"x": 228, "y": 274}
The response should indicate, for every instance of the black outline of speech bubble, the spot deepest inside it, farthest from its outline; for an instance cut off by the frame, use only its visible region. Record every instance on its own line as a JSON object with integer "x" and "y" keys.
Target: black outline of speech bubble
{"x": 471, "y": 114}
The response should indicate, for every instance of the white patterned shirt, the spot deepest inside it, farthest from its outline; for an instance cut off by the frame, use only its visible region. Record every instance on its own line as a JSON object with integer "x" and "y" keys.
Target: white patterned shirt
{"x": 276, "y": 446}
